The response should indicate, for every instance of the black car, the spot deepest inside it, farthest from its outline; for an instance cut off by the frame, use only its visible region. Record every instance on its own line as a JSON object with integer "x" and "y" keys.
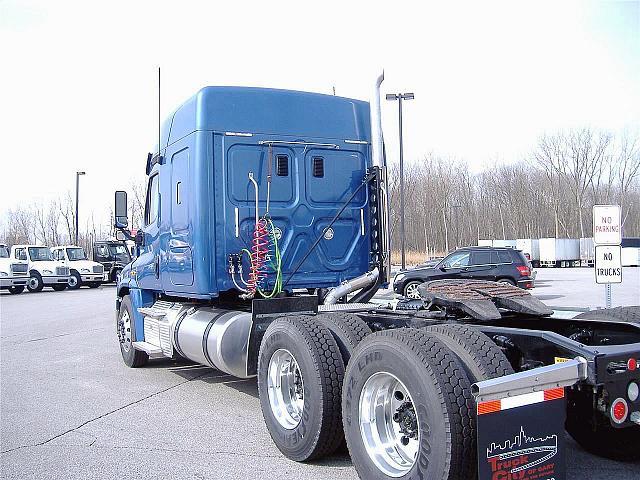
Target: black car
{"x": 505, "y": 265}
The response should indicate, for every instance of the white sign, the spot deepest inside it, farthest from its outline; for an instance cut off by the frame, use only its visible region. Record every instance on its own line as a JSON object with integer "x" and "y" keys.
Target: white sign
{"x": 606, "y": 225}
{"x": 608, "y": 264}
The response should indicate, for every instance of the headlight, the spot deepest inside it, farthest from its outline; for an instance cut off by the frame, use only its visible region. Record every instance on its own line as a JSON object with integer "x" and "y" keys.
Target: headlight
{"x": 47, "y": 271}
{"x": 399, "y": 277}
{"x": 84, "y": 270}
{"x": 4, "y": 274}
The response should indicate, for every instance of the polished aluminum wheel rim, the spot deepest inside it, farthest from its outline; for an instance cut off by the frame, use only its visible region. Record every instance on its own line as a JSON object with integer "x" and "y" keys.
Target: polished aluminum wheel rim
{"x": 285, "y": 387}
{"x": 412, "y": 291}
{"x": 383, "y": 433}
{"x": 124, "y": 331}
{"x": 73, "y": 281}
{"x": 34, "y": 282}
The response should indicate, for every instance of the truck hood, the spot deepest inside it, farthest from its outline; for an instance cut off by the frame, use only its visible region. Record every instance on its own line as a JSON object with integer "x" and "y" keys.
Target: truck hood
{"x": 5, "y": 264}
{"x": 43, "y": 265}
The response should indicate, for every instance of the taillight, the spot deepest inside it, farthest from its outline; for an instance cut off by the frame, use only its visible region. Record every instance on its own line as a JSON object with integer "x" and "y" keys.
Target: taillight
{"x": 632, "y": 364}
{"x": 524, "y": 270}
{"x": 619, "y": 410}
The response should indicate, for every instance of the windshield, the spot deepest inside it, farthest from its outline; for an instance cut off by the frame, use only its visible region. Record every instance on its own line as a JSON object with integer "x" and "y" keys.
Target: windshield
{"x": 39, "y": 254}
{"x": 76, "y": 254}
{"x": 4, "y": 252}
{"x": 120, "y": 252}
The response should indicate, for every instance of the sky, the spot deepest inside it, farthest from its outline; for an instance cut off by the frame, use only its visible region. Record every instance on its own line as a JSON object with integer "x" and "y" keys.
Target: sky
{"x": 78, "y": 79}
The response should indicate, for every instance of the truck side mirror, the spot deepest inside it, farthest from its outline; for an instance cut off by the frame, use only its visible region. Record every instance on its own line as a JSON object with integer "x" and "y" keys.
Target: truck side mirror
{"x": 121, "y": 220}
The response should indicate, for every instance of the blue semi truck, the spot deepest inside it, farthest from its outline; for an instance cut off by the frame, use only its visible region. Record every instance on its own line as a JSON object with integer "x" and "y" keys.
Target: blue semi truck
{"x": 266, "y": 237}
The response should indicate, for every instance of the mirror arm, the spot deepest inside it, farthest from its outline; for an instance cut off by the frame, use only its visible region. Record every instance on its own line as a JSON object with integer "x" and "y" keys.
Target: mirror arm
{"x": 126, "y": 233}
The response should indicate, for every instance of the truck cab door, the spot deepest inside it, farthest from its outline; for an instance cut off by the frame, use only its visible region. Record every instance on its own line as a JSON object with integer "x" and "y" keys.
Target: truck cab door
{"x": 147, "y": 265}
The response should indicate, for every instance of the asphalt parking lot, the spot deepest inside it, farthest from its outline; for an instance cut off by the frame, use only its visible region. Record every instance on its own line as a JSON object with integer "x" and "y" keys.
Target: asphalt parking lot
{"x": 71, "y": 409}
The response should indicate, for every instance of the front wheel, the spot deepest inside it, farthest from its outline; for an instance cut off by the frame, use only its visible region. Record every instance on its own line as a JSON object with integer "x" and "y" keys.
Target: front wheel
{"x": 411, "y": 290}
{"x": 35, "y": 283}
{"x": 125, "y": 327}
{"x": 407, "y": 409}
{"x": 75, "y": 281}
{"x": 300, "y": 373}
{"x": 16, "y": 290}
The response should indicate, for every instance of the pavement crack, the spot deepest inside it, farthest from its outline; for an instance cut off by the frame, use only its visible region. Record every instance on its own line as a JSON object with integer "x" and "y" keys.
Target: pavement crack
{"x": 135, "y": 402}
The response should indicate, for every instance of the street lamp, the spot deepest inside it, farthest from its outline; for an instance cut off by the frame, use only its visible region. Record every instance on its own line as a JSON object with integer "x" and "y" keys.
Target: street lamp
{"x": 77, "y": 192}
{"x": 400, "y": 97}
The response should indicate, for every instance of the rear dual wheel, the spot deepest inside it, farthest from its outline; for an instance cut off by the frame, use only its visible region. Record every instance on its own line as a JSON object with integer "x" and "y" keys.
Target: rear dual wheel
{"x": 300, "y": 373}
{"x": 407, "y": 408}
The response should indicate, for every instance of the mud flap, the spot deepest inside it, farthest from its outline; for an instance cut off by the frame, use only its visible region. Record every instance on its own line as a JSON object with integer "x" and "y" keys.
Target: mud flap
{"x": 520, "y": 422}
{"x": 522, "y": 437}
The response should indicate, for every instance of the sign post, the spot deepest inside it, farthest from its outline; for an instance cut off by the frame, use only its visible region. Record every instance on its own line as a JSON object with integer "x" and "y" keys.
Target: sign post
{"x": 607, "y": 236}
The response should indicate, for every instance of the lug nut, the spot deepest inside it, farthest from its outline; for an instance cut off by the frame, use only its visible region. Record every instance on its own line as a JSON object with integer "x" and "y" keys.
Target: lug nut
{"x": 404, "y": 440}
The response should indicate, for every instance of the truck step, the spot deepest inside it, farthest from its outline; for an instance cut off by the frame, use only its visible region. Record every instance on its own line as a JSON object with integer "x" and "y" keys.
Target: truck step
{"x": 149, "y": 349}
{"x": 158, "y": 310}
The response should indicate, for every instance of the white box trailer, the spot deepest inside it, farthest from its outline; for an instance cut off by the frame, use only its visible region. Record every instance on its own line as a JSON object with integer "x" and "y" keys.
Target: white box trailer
{"x": 532, "y": 247}
{"x": 630, "y": 257}
{"x": 485, "y": 243}
{"x": 504, "y": 243}
{"x": 587, "y": 251}
{"x": 559, "y": 252}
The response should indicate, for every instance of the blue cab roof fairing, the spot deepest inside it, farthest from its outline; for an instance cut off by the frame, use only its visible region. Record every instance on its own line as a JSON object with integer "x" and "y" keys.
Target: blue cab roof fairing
{"x": 272, "y": 112}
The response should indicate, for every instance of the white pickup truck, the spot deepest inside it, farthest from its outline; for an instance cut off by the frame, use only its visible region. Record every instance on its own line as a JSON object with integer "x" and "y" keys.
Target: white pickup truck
{"x": 82, "y": 271}
{"x": 44, "y": 271}
{"x": 13, "y": 273}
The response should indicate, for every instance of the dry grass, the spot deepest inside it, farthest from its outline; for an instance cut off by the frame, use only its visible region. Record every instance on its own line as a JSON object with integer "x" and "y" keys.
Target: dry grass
{"x": 412, "y": 257}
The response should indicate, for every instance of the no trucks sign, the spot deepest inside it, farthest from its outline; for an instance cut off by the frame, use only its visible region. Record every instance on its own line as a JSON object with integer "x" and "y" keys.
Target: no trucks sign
{"x": 606, "y": 225}
{"x": 608, "y": 264}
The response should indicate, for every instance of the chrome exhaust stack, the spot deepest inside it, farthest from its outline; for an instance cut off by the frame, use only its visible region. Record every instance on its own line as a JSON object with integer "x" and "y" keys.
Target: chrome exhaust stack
{"x": 379, "y": 160}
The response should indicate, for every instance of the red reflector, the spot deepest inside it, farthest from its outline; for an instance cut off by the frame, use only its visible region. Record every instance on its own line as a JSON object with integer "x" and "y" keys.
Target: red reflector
{"x": 619, "y": 410}
{"x": 632, "y": 364}
{"x": 489, "y": 407}
{"x": 524, "y": 270}
{"x": 554, "y": 394}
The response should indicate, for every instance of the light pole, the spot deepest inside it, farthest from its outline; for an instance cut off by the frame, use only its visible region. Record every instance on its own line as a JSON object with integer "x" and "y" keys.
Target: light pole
{"x": 400, "y": 97}
{"x": 77, "y": 192}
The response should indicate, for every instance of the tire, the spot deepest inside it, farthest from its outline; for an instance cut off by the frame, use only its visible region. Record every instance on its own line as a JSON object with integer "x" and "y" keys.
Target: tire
{"x": 114, "y": 275}
{"x": 507, "y": 281}
{"x": 94, "y": 285}
{"x": 312, "y": 427}
{"x": 75, "y": 281}
{"x": 34, "y": 284}
{"x": 602, "y": 439}
{"x": 481, "y": 358}
{"x": 428, "y": 382}
{"x": 619, "y": 314}
{"x": 347, "y": 330}
{"x": 59, "y": 288}
{"x": 126, "y": 332}
{"x": 410, "y": 289}
{"x": 16, "y": 290}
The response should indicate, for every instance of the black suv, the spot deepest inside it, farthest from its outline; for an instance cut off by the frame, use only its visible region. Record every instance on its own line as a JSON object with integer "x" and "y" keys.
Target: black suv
{"x": 505, "y": 265}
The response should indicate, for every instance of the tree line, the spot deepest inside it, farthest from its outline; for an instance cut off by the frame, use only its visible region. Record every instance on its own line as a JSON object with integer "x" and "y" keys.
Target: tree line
{"x": 549, "y": 194}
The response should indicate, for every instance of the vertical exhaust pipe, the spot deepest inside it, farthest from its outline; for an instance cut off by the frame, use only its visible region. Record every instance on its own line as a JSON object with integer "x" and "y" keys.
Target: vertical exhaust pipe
{"x": 379, "y": 160}
{"x": 377, "y": 140}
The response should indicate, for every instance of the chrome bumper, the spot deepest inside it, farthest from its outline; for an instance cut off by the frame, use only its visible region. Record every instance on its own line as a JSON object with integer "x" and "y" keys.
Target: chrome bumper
{"x": 6, "y": 282}
{"x": 92, "y": 277}
{"x": 55, "y": 279}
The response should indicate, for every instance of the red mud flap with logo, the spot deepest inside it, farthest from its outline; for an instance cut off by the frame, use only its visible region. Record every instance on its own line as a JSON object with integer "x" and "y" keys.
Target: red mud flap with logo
{"x": 521, "y": 423}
